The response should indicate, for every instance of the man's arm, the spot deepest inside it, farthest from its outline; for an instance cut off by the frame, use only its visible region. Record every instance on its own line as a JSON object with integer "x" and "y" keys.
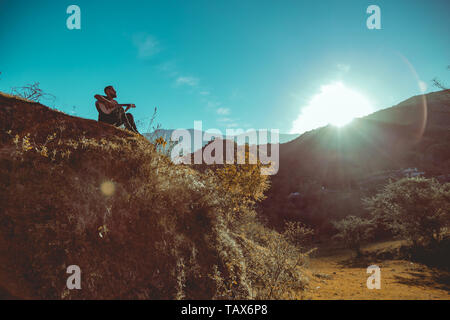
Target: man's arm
{"x": 129, "y": 106}
{"x": 107, "y": 103}
{"x": 102, "y": 99}
{"x": 112, "y": 104}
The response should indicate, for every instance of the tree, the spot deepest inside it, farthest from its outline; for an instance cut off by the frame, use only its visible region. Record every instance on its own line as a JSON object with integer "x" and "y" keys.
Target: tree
{"x": 352, "y": 231}
{"x": 417, "y": 209}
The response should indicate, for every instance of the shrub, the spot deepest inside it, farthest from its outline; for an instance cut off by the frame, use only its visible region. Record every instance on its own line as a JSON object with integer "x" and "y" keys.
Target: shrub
{"x": 276, "y": 263}
{"x": 416, "y": 209}
{"x": 273, "y": 261}
{"x": 353, "y": 231}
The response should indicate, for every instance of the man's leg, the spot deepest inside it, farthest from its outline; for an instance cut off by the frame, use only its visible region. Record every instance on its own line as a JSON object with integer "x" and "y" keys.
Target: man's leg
{"x": 108, "y": 118}
{"x": 120, "y": 118}
{"x": 127, "y": 120}
{"x": 131, "y": 123}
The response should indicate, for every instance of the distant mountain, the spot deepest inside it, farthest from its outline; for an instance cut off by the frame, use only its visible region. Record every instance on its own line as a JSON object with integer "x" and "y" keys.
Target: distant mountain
{"x": 324, "y": 173}
{"x": 166, "y": 134}
{"x": 329, "y": 163}
{"x": 401, "y": 136}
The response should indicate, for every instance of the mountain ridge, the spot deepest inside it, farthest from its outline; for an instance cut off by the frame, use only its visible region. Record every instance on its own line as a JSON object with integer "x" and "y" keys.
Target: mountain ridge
{"x": 412, "y": 134}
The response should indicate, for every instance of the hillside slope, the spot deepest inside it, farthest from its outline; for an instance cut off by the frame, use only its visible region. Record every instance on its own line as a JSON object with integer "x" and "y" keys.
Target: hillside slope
{"x": 332, "y": 162}
{"x": 78, "y": 192}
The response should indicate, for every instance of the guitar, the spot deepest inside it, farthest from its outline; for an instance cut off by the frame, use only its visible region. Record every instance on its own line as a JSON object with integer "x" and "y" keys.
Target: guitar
{"x": 106, "y": 108}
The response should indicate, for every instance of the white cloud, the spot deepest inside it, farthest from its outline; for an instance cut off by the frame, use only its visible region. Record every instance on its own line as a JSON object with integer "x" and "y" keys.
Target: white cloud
{"x": 229, "y": 122}
{"x": 168, "y": 68}
{"x": 146, "y": 45}
{"x": 223, "y": 111}
{"x": 189, "y": 81}
{"x": 204, "y": 93}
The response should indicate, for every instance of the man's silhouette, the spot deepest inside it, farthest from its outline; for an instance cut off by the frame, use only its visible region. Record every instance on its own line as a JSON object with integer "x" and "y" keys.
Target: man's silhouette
{"x": 111, "y": 112}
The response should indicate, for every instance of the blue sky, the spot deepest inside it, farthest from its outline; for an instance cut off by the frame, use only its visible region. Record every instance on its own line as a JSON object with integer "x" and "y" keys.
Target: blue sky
{"x": 243, "y": 64}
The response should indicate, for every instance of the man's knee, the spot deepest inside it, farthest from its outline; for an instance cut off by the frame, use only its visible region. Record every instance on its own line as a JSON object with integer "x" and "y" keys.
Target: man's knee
{"x": 130, "y": 117}
{"x": 121, "y": 112}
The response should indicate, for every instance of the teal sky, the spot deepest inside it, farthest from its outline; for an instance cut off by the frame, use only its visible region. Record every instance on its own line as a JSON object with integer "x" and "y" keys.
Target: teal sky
{"x": 243, "y": 64}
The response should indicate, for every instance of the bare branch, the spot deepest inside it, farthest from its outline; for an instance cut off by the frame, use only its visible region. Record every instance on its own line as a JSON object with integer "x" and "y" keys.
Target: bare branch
{"x": 32, "y": 92}
{"x": 438, "y": 84}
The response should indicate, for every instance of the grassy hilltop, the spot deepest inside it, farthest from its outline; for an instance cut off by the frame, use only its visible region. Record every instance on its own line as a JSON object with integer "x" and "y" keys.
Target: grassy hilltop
{"x": 79, "y": 192}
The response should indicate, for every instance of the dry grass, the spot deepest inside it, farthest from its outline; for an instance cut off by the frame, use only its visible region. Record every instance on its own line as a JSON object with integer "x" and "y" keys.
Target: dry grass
{"x": 80, "y": 192}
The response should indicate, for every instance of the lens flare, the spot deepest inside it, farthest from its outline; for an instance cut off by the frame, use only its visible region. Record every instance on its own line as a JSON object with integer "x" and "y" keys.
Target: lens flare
{"x": 335, "y": 104}
{"x": 108, "y": 188}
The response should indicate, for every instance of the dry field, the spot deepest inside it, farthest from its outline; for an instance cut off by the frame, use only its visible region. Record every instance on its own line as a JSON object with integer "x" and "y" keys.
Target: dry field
{"x": 335, "y": 276}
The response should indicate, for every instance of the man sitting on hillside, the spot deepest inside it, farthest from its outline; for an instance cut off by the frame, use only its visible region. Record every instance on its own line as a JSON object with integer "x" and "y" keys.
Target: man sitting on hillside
{"x": 111, "y": 112}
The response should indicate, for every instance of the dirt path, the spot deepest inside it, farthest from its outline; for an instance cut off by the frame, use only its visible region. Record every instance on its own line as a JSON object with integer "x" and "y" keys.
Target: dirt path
{"x": 334, "y": 277}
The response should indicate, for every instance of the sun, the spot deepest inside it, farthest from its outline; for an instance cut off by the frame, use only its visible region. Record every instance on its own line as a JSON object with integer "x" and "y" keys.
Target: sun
{"x": 335, "y": 104}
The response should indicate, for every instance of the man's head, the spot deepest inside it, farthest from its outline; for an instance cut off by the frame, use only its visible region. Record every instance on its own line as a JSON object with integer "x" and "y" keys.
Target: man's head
{"x": 110, "y": 92}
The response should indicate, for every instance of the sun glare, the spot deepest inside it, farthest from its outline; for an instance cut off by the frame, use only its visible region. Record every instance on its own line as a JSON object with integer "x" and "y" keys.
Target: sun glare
{"x": 335, "y": 104}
